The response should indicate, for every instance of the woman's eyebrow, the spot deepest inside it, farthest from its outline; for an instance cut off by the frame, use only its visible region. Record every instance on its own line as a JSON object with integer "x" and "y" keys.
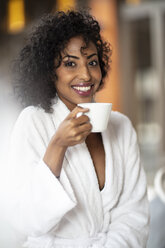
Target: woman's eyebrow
{"x": 93, "y": 54}
{"x": 75, "y": 57}
{"x": 70, "y": 56}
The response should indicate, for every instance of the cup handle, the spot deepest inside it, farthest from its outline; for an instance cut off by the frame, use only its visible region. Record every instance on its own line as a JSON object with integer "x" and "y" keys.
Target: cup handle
{"x": 79, "y": 114}
{"x": 159, "y": 183}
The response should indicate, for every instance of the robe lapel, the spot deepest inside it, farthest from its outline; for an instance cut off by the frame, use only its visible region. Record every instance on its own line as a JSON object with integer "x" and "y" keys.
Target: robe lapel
{"x": 114, "y": 170}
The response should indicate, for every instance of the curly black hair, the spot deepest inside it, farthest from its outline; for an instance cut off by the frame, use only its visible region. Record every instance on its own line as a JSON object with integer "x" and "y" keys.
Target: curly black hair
{"x": 35, "y": 69}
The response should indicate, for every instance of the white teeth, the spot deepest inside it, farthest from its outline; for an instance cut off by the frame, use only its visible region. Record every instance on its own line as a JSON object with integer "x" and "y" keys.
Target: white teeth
{"x": 82, "y": 88}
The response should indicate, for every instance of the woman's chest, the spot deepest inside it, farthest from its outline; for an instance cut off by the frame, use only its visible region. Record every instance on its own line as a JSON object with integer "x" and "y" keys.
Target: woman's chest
{"x": 96, "y": 150}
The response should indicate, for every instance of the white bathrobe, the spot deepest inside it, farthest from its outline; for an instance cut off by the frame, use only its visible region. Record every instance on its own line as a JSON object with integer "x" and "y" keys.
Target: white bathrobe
{"x": 72, "y": 211}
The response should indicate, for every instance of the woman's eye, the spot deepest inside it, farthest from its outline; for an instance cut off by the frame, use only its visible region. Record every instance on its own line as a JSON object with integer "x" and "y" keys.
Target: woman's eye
{"x": 93, "y": 63}
{"x": 69, "y": 64}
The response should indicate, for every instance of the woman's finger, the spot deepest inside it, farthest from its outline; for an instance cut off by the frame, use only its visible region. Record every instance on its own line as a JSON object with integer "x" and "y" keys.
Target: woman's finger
{"x": 75, "y": 111}
{"x": 81, "y": 120}
{"x": 84, "y": 135}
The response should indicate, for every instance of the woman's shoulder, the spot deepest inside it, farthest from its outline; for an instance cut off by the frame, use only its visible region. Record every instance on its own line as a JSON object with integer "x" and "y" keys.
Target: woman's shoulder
{"x": 119, "y": 119}
{"x": 120, "y": 124}
{"x": 32, "y": 116}
{"x": 33, "y": 112}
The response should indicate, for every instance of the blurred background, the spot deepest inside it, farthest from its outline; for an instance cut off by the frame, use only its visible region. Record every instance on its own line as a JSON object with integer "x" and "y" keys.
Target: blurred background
{"x": 135, "y": 85}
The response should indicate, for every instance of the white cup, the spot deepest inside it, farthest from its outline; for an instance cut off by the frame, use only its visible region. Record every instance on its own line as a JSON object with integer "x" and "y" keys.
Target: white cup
{"x": 98, "y": 114}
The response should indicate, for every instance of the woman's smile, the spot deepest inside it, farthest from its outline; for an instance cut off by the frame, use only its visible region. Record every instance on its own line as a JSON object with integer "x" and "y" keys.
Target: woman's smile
{"x": 79, "y": 74}
{"x": 83, "y": 89}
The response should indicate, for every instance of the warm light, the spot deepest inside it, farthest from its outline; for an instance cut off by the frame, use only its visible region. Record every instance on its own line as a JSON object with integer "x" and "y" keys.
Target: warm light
{"x": 16, "y": 16}
{"x": 105, "y": 12}
{"x": 65, "y": 4}
{"x": 133, "y": 1}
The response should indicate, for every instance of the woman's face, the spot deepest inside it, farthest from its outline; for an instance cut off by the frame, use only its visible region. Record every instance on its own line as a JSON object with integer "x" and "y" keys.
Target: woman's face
{"x": 79, "y": 75}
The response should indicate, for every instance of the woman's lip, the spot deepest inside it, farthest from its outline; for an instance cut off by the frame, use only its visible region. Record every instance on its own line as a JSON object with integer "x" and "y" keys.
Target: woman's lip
{"x": 83, "y": 93}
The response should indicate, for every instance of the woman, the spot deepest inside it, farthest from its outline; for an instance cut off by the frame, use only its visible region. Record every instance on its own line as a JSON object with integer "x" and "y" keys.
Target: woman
{"x": 71, "y": 187}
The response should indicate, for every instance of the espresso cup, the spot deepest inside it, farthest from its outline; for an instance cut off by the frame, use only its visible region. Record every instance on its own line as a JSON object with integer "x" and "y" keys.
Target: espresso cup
{"x": 98, "y": 114}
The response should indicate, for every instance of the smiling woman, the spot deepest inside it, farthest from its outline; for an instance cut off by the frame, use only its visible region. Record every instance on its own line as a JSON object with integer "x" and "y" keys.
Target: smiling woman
{"x": 79, "y": 75}
{"x": 71, "y": 187}
{"x": 37, "y": 64}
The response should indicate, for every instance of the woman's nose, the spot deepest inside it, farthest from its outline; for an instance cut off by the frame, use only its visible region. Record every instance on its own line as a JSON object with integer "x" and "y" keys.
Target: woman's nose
{"x": 84, "y": 73}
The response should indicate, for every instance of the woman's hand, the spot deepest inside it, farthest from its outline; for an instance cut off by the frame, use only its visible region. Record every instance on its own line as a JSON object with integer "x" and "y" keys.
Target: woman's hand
{"x": 72, "y": 131}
